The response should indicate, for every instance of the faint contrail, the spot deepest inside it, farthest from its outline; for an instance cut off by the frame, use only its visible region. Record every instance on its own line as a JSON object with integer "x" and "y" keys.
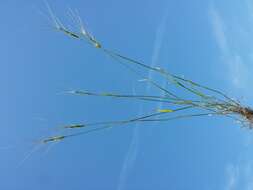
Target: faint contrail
{"x": 134, "y": 144}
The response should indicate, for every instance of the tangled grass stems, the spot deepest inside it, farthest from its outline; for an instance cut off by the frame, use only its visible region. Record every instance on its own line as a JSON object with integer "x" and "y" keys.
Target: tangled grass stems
{"x": 209, "y": 100}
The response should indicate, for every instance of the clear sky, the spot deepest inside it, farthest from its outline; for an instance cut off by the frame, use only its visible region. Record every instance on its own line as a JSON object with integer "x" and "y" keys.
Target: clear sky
{"x": 207, "y": 41}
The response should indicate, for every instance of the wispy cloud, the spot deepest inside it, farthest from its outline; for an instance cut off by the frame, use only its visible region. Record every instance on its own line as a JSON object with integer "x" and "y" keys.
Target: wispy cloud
{"x": 239, "y": 176}
{"x": 219, "y": 29}
{"x": 134, "y": 145}
{"x": 238, "y": 71}
{"x": 159, "y": 37}
{"x": 232, "y": 175}
{"x": 129, "y": 159}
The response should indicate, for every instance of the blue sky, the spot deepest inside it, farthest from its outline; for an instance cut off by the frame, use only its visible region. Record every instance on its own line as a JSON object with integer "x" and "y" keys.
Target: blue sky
{"x": 207, "y": 41}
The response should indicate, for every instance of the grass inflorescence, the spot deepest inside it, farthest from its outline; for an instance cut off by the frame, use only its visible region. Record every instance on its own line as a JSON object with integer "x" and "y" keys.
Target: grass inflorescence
{"x": 204, "y": 101}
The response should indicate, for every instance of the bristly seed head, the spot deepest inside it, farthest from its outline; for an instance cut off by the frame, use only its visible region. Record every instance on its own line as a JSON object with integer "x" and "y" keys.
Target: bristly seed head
{"x": 97, "y": 45}
{"x": 74, "y": 126}
{"x": 53, "y": 139}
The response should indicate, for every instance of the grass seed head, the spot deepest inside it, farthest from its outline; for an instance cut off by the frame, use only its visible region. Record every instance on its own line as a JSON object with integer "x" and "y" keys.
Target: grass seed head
{"x": 74, "y": 126}
{"x": 53, "y": 139}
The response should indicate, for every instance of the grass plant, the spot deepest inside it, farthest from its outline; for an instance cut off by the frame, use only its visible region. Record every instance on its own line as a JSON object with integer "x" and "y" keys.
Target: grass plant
{"x": 201, "y": 100}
